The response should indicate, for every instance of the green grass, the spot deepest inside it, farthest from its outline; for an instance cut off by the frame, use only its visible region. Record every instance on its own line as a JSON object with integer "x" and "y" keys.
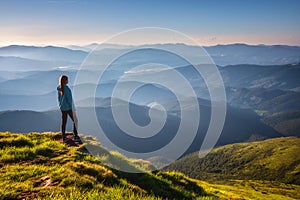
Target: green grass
{"x": 109, "y": 193}
{"x": 253, "y": 190}
{"x": 273, "y": 159}
{"x": 275, "y": 162}
{"x": 38, "y": 166}
{"x": 18, "y": 148}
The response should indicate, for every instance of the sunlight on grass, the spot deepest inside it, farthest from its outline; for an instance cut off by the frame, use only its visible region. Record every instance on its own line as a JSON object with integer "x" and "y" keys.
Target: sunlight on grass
{"x": 38, "y": 166}
{"x": 51, "y": 170}
{"x": 108, "y": 193}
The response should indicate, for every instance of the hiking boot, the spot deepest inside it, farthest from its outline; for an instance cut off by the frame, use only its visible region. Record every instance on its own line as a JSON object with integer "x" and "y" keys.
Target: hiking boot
{"x": 76, "y": 139}
{"x": 65, "y": 139}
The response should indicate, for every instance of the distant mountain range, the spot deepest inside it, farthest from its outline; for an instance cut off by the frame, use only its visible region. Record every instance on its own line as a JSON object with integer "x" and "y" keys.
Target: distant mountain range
{"x": 240, "y": 125}
{"x": 262, "y": 87}
{"x": 267, "y": 88}
{"x": 253, "y": 54}
{"x": 228, "y": 54}
{"x": 47, "y": 53}
{"x": 23, "y": 58}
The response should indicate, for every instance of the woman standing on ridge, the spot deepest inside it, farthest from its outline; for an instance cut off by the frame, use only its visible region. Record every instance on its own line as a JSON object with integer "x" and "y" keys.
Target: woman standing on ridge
{"x": 66, "y": 106}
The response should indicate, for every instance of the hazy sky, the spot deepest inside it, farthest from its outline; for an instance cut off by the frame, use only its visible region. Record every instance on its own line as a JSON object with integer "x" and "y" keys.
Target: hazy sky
{"x": 209, "y": 22}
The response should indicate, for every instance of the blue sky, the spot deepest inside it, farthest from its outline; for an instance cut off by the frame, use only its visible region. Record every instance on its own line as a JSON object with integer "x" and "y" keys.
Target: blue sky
{"x": 209, "y": 22}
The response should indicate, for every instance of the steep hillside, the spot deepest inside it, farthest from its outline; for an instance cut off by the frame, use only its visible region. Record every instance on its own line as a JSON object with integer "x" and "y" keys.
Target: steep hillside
{"x": 269, "y": 101}
{"x": 284, "y": 77}
{"x": 273, "y": 159}
{"x": 287, "y": 123}
{"x": 39, "y": 166}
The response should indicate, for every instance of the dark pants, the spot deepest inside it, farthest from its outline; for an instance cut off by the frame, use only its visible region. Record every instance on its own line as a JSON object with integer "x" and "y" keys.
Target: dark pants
{"x": 64, "y": 117}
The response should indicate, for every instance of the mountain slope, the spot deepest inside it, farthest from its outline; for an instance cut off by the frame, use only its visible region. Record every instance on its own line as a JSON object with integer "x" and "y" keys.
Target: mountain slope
{"x": 284, "y": 77}
{"x": 244, "y": 122}
{"x": 39, "y": 166}
{"x": 270, "y": 101}
{"x": 287, "y": 123}
{"x": 273, "y": 159}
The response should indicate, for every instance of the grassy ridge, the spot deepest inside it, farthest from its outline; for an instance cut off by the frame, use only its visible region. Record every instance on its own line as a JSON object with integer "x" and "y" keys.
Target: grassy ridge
{"x": 255, "y": 170}
{"x": 273, "y": 159}
{"x": 39, "y": 166}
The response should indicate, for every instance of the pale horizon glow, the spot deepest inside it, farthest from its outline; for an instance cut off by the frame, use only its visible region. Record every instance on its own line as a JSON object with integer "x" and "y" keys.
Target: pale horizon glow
{"x": 201, "y": 41}
{"x": 63, "y": 23}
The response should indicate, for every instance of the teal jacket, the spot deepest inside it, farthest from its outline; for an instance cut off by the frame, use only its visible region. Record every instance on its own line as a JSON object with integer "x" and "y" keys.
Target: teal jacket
{"x": 65, "y": 101}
